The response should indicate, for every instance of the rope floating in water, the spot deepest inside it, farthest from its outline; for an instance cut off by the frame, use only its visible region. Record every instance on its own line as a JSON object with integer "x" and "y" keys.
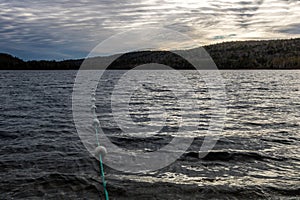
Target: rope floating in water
{"x": 100, "y": 152}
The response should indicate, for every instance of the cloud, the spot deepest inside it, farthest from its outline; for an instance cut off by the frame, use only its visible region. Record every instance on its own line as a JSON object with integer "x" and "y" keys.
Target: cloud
{"x": 40, "y": 29}
{"x": 222, "y": 37}
{"x": 293, "y": 29}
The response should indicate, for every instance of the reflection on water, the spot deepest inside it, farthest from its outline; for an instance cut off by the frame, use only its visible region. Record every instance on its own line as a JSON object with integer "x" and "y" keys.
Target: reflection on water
{"x": 41, "y": 155}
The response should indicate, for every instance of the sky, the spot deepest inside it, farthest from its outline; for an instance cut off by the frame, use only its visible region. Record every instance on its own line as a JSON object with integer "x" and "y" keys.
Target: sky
{"x": 65, "y": 29}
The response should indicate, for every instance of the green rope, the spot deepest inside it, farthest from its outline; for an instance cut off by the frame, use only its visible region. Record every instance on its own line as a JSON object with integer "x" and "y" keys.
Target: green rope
{"x": 103, "y": 178}
{"x": 101, "y": 168}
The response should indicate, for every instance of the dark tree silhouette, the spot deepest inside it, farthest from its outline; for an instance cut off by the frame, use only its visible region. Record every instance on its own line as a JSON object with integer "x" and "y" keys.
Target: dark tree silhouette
{"x": 269, "y": 54}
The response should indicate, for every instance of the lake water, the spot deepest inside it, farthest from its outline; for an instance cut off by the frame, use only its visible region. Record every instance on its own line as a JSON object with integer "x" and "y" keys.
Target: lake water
{"x": 257, "y": 154}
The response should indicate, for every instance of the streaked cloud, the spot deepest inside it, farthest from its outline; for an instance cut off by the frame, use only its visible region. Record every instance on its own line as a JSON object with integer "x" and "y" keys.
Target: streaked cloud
{"x": 39, "y": 29}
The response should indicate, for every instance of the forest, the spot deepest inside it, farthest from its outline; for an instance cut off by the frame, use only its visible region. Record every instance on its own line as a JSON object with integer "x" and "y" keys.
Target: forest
{"x": 265, "y": 54}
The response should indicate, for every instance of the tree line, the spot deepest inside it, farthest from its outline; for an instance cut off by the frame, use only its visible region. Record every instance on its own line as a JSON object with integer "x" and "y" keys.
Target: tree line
{"x": 269, "y": 54}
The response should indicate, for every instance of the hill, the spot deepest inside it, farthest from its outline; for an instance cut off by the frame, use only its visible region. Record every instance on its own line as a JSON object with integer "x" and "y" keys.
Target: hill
{"x": 270, "y": 54}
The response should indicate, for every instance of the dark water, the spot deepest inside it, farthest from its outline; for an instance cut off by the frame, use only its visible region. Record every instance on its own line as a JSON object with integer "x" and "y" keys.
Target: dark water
{"x": 257, "y": 156}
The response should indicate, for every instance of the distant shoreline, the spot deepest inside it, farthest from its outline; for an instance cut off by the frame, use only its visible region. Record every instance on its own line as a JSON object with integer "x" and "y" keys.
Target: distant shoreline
{"x": 240, "y": 55}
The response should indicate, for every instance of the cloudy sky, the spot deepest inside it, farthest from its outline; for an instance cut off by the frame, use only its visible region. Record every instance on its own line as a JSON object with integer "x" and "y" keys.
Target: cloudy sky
{"x": 43, "y": 29}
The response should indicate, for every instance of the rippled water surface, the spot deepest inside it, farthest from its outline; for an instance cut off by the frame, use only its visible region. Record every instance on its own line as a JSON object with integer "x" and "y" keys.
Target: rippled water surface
{"x": 256, "y": 157}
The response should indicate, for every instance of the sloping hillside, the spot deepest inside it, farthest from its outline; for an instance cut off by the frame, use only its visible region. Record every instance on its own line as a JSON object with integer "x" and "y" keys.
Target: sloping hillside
{"x": 271, "y": 54}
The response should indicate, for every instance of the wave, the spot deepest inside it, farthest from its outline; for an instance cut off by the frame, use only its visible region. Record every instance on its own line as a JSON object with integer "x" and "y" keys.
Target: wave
{"x": 231, "y": 156}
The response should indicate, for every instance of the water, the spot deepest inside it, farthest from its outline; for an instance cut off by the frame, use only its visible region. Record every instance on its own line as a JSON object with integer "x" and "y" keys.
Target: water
{"x": 256, "y": 157}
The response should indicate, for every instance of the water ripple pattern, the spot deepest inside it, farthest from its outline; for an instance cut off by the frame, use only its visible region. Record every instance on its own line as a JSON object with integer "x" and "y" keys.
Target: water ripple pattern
{"x": 257, "y": 155}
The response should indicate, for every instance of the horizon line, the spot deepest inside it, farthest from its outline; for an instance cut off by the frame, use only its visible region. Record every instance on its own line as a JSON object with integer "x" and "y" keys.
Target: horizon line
{"x": 182, "y": 49}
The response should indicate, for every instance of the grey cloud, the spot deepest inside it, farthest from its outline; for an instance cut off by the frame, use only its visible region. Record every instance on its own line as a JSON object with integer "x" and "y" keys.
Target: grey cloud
{"x": 61, "y": 29}
{"x": 291, "y": 29}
